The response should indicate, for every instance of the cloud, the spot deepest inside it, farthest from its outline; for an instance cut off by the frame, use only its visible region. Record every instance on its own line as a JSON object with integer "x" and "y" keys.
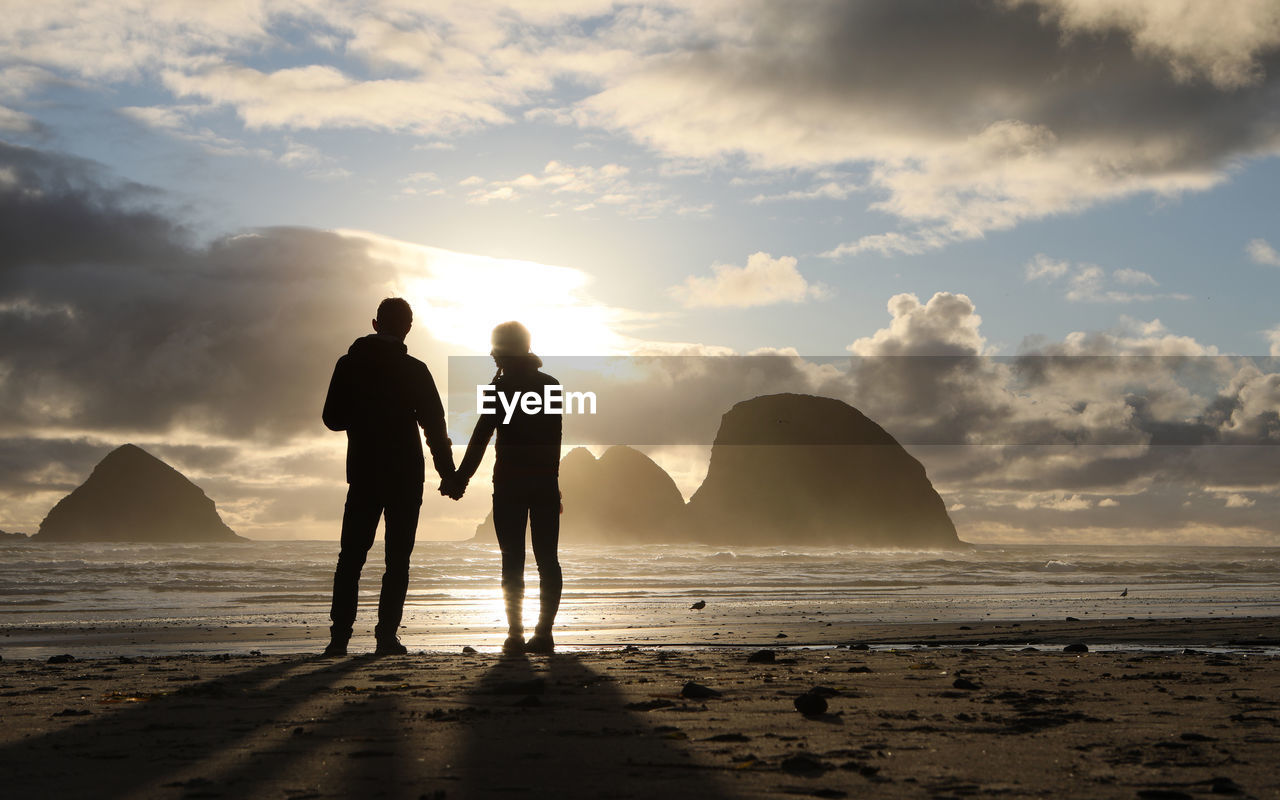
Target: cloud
{"x": 185, "y": 324}
{"x": 1261, "y": 252}
{"x": 579, "y": 188}
{"x": 179, "y": 121}
{"x": 217, "y": 354}
{"x": 947, "y": 325}
{"x": 421, "y": 183}
{"x": 964, "y": 117}
{"x": 196, "y": 327}
{"x": 322, "y": 96}
{"x": 1273, "y": 336}
{"x": 1235, "y": 500}
{"x": 1042, "y": 267}
{"x": 1055, "y": 501}
{"x": 764, "y": 280}
{"x": 1136, "y": 412}
{"x": 894, "y": 243}
{"x": 970, "y": 116}
{"x": 430, "y": 71}
{"x": 826, "y": 190}
{"x": 1089, "y": 283}
{"x": 17, "y": 121}
{"x": 1121, "y": 428}
{"x": 560, "y": 177}
{"x": 116, "y": 325}
{"x": 1192, "y": 38}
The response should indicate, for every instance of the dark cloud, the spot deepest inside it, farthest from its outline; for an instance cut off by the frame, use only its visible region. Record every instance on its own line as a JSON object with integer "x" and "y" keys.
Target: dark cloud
{"x": 47, "y": 197}
{"x": 111, "y": 319}
{"x": 115, "y": 325}
{"x": 969, "y": 115}
{"x": 953, "y": 68}
{"x": 31, "y": 465}
{"x": 1100, "y": 431}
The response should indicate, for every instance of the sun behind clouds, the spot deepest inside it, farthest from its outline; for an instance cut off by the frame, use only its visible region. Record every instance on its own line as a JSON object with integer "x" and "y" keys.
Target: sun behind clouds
{"x": 460, "y": 297}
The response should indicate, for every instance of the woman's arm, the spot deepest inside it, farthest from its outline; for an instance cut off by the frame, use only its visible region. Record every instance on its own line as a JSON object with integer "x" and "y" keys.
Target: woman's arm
{"x": 480, "y": 437}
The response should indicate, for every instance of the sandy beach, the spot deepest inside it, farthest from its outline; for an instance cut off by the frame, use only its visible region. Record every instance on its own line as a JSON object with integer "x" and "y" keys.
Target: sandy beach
{"x": 1167, "y": 709}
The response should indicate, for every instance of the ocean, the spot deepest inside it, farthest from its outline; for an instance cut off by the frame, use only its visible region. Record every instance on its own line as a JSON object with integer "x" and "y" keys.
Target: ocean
{"x": 627, "y": 594}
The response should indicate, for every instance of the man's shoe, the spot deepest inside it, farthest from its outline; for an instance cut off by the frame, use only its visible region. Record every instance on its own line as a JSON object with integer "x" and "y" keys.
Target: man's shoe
{"x": 540, "y": 644}
{"x": 336, "y": 648}
{"x": 390, "y": 647}
{"x": 513, "y": 645}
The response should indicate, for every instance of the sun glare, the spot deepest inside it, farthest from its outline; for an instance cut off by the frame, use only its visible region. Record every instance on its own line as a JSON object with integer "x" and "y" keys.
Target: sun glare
{"x": 460, "y": 298}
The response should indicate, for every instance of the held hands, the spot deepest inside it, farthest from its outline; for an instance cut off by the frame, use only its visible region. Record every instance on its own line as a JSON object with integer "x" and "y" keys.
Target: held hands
{"x": 453, "y": 487}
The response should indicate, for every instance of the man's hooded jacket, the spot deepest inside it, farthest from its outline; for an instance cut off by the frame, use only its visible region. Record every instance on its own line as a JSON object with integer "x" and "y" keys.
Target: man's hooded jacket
{"x": 380, "y": 395}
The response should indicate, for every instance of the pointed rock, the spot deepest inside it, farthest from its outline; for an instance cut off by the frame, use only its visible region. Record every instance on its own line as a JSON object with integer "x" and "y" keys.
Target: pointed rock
{"x": 803, "y": 469}
{"x": 623, "y": 497}
{"x": 132, "y": 496}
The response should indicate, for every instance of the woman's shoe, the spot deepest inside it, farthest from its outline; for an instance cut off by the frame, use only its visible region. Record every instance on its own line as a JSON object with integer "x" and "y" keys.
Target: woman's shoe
{"x": 540, "y": 644}
{"x": 513, "y": 645}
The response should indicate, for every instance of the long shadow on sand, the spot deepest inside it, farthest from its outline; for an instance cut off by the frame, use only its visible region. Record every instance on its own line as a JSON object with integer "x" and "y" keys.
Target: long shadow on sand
{"x": 364, "y": 727}
{"x": 146, "y": 749}
{"x": 559, "y": 729}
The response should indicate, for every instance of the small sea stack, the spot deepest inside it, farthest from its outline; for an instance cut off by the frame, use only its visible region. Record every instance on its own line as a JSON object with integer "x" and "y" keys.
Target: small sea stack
{"x": 623, "y": 497}
{"x": 132, "y": 496}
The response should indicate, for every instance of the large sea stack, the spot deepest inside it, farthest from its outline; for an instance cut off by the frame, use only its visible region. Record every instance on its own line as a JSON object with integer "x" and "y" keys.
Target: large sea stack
{"x": 621, "y": 498}
{"x": 132, "y": 496}
{"x": 798, "y": 469}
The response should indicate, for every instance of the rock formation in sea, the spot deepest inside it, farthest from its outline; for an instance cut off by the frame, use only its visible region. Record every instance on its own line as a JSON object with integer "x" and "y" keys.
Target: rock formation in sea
{"x": 623, "y": 497}
{"x": 132, "y": 496}
{"x": 798, "y": 469}
{"x": 6, "y": 536}
{"x": 785, "y": 469}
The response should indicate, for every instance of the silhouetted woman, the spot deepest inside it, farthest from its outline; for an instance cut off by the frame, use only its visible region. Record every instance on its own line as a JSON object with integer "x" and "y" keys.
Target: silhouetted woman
{"x": 526, "y": 484}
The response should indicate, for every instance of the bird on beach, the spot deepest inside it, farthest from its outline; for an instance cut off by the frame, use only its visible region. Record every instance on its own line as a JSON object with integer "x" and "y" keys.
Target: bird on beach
{"x": 698, "y": 606}
{"x": 1125, "y": 593}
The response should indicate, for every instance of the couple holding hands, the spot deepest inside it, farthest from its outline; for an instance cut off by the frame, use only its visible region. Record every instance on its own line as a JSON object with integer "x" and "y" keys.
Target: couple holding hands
{"x": 381, "y": 396}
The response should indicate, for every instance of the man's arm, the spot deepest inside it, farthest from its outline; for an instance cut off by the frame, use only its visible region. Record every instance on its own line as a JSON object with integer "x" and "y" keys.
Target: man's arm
{"x": 430, "y": 415}
{"x": 337, "y": 403}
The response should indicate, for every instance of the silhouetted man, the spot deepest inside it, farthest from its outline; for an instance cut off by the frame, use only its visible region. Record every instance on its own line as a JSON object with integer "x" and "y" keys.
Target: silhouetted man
{"x": 380, "y": 395}
{"x": 526, "y": 477}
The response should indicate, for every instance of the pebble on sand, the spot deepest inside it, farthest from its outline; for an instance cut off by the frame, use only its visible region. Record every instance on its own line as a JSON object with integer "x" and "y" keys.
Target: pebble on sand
{"x": 762, "y": 657}
{"x": 811, "y": 704}
{"x": 804, "y": 764}
{"x": 696, "y": 691}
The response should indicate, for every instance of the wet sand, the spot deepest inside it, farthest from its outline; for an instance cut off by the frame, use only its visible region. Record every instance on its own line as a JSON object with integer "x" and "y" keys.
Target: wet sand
{"x": 922, "y": 721}
{"x": 699, "y": 631}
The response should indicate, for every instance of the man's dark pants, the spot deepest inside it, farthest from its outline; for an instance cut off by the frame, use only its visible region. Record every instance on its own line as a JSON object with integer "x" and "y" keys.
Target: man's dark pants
{"x": 536, "y": 500}
{"x": 366, "y": 503}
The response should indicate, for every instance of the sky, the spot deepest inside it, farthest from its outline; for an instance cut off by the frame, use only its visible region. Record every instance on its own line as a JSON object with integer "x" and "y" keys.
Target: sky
{"x": 203, "y": 202}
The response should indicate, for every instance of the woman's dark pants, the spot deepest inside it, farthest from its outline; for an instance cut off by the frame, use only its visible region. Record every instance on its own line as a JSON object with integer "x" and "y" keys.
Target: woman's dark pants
{"x": 538, "y": 501}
